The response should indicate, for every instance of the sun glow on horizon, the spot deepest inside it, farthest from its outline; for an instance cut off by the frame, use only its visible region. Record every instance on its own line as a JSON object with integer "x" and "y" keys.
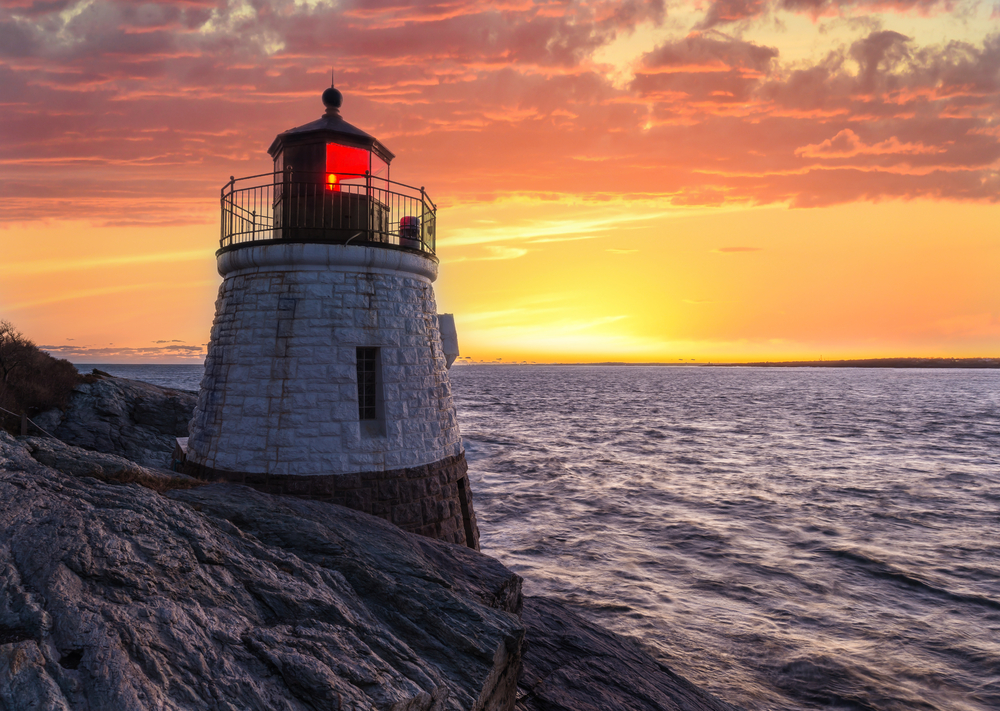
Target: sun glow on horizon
{"x": 719, "y": 181}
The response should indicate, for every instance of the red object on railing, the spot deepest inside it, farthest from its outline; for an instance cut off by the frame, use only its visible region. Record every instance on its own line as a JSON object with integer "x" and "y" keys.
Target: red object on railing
{"x": 344, "y": 162}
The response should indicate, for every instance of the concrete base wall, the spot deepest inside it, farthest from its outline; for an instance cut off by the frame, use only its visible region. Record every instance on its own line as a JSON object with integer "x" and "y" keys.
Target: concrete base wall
{"x": 434, "y": 500}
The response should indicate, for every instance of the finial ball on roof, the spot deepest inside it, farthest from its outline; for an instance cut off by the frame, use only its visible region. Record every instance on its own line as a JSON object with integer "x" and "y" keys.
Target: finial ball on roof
{"x": 332, "y": 98}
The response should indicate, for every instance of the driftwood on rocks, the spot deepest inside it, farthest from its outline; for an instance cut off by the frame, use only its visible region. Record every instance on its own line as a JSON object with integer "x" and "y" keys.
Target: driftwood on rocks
{"x": 130, "y": 418}
{"x": 113, "y": 596}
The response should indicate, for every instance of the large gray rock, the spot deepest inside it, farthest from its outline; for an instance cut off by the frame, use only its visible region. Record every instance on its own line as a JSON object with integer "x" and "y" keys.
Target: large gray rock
{"x": 571, "y": 664}
{"x": 113, "y": 596}
{"x": 130, "y": 418}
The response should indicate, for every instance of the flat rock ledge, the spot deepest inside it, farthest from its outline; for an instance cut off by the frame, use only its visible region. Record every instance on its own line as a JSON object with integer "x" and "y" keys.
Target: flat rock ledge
{"x": 114, "y": 596}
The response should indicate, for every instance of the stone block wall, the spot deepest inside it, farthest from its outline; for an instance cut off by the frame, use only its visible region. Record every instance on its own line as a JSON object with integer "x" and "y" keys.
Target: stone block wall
{"x": 279, "y": 395}
{"x": 433, "y": 500}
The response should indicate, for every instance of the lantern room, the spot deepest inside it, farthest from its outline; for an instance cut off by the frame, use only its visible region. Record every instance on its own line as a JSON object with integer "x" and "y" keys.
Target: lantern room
{"x": 332, "y": 151}
{"x": 330, "y": 184}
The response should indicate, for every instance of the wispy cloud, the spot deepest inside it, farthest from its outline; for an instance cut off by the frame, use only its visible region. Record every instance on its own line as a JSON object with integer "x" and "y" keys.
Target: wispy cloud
{"x": 99, "y": 291}
{"x": 56, "y": 264}
{"x": 110, "y": 353}
{"x": 493, "y": 253}
{"x": 551, "y": 230}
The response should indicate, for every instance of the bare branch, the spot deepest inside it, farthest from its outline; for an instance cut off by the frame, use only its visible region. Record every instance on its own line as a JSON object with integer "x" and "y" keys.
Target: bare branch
{"x": 15, "y": 350}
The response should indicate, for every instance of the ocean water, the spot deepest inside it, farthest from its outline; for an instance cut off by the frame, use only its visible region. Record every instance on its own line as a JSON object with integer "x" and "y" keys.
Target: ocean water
{"x": 182, "y": 377}
{"x": 786, "y": 538}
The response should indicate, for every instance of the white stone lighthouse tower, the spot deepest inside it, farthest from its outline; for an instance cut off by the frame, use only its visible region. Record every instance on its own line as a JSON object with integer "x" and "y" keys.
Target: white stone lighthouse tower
{"x": 327, "y": 375}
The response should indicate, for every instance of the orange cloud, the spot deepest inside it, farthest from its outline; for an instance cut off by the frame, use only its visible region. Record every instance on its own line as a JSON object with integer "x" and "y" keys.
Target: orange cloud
{"x": 722, "y": 12}
{"x": 847, "y": 144}
{"x": 125, "y": 113}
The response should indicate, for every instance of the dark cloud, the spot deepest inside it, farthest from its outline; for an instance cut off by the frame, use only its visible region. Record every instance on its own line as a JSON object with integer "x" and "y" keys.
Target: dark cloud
{"x": 708, "y": 50}
{"x": 822, "y": 7}
{"x": 878, "y": 55}
{"x": 721, "y": 12}
{"x": 16, "y": 40}
{"x": 32, "y": 8}
{"x": 703, "y": 68}
{"x": 726, "y": 11}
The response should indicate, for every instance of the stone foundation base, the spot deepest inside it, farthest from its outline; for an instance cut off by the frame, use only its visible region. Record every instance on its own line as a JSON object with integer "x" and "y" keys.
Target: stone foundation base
{"x": 433, "y": 500}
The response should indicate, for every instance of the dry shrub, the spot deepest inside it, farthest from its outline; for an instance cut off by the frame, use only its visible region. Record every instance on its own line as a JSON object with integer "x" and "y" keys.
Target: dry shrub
{"x": 46, "y": 383}
{"x": 31, "y": 380}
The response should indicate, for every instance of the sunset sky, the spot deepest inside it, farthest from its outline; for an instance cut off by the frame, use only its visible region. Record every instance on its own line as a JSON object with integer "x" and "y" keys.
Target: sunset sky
{"x": 640, "y": 181}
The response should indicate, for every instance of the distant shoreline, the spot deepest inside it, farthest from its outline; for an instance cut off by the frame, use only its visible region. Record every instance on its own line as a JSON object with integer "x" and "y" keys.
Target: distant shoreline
{"x": 880, "y": 363}
{"x": 963, "y": 363}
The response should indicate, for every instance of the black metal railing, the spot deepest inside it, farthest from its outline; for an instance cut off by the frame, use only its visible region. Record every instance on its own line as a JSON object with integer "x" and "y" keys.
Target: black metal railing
{"x": 305, "y": 207}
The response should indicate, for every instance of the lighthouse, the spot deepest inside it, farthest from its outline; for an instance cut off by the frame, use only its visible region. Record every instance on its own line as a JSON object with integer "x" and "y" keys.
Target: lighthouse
{"x": 327, "y": 370}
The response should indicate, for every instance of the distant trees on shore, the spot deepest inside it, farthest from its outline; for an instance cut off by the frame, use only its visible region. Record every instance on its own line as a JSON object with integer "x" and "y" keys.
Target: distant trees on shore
{"x": 31, "y": 381}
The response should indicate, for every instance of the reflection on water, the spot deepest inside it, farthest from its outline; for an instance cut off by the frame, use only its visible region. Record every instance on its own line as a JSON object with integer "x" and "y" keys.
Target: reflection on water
{"x": 787, "y": 538}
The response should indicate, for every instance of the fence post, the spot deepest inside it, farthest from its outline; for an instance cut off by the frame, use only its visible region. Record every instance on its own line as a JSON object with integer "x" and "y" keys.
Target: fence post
{"x": 24, "y": 424}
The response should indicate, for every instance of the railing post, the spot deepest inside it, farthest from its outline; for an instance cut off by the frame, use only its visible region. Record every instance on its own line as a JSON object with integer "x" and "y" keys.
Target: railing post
{"x": 230, "y": 184}
{"x": 423, "y": 218}
{"x": 370, "y": 237}
{"x": 285, "y": 201}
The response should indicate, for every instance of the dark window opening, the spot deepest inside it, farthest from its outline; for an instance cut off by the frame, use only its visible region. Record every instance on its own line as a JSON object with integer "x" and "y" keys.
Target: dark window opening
{"x": 367, "y": 383}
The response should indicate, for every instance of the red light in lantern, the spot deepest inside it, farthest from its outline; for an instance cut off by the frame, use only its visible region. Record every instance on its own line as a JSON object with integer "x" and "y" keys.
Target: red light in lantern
{"x": 345, "y": 163}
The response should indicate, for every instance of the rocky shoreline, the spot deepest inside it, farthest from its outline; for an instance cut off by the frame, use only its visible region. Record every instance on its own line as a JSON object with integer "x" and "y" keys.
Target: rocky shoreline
{"x": 129, "y": 418}
{"x": 127, "y": 586}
